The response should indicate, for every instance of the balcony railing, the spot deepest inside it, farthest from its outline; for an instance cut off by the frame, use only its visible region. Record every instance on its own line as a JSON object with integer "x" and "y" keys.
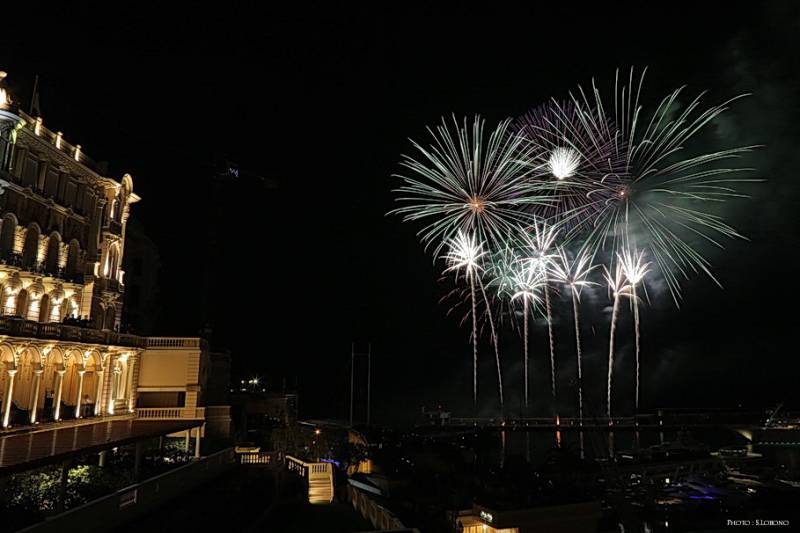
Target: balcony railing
{"x": 16, "y": 260}
{"x": 167, "y": 343}
{"x": 170, "y": 413}
{"x": 19, "y": 327}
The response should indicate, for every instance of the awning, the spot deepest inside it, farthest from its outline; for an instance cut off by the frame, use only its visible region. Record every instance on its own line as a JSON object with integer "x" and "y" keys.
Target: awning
{"x": 30, "y": 450}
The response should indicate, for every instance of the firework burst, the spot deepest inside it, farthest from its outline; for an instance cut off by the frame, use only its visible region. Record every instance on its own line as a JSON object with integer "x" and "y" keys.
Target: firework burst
{"x": 662, "y": 197}
{"x": 466, "y": 181}
{"x": 576, "y": 161}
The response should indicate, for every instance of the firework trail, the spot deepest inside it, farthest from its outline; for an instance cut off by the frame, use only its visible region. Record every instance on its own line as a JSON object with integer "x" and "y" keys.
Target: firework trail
{"x": 494, "y": 269}
{"x": 574, "y": 274}
{"x": 635, "y": 269}
{"x": 617, "y": 287}
{"x": 529, "y": 281}
{"x": 549, "y": 311}
{"x": 539, "y": 245}
{"x": 464, "y": 253}
{"x": 494, "y": 340}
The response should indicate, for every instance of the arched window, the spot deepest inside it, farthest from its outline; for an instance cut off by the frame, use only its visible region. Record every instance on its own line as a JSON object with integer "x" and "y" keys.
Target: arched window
{"x": 9, "y": 298}
{"x": 112, "y": 261}
{"x": 53, "y": 249}
{"x": 34, "y": 306}
{"x": 22, "y": 303}
{"x": 73, "y": 255}
{"x": 7, "y": 233}
{"x": 44, "y": 309}
{"x": 71, "y": 307}
{"x": 30, "y": 250}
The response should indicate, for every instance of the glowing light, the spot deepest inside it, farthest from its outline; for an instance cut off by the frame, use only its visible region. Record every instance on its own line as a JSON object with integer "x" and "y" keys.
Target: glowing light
{"x": 633, "y": 266}
{"x": 59, "y": 137}
{"x": 477, "y": 205}
{"x": 77, "y": 152}
{"x": 464, "y": 253}
{"x": 564, "y": 162}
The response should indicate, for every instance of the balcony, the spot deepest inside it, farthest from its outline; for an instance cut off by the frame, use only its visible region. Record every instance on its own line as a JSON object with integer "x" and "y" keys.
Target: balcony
{"x": 18, "y": 327}
{"x": 108, "y": 284}
{"x": 15, "y": 260}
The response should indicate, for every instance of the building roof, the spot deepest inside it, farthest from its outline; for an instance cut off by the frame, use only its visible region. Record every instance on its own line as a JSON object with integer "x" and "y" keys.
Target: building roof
{"x": 25, "y": 451}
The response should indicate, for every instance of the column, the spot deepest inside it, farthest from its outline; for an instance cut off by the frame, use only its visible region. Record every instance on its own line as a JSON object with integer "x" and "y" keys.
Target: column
{"x": 188, "y": 440}
{"x": 113, "y": 391}
{"x": 81, "y": 372}
{"x": 57, "y": 398}
{"x": 34, "y": 403}
{"x": 98, "y": 394}
{"x": 197, "y": 443}
{"x": 131, "y": 386}
{"x": 102, "y": 461}
{"x": 8, "y": 397}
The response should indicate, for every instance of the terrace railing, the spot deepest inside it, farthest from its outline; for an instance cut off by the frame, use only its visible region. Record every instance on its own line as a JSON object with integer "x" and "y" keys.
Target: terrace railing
{"x": 20, "y": 327}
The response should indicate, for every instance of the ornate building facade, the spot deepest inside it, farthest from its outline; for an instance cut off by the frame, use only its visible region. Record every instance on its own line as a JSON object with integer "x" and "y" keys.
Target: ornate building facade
{"x": 62, "y": 243}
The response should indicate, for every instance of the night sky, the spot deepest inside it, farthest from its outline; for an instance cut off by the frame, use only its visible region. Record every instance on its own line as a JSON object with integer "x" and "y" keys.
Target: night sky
{"x": 322, "y": 102}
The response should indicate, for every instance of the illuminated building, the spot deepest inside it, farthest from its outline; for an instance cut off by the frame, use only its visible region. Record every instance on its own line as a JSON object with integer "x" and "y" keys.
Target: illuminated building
{"x": 63, "y": 227}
